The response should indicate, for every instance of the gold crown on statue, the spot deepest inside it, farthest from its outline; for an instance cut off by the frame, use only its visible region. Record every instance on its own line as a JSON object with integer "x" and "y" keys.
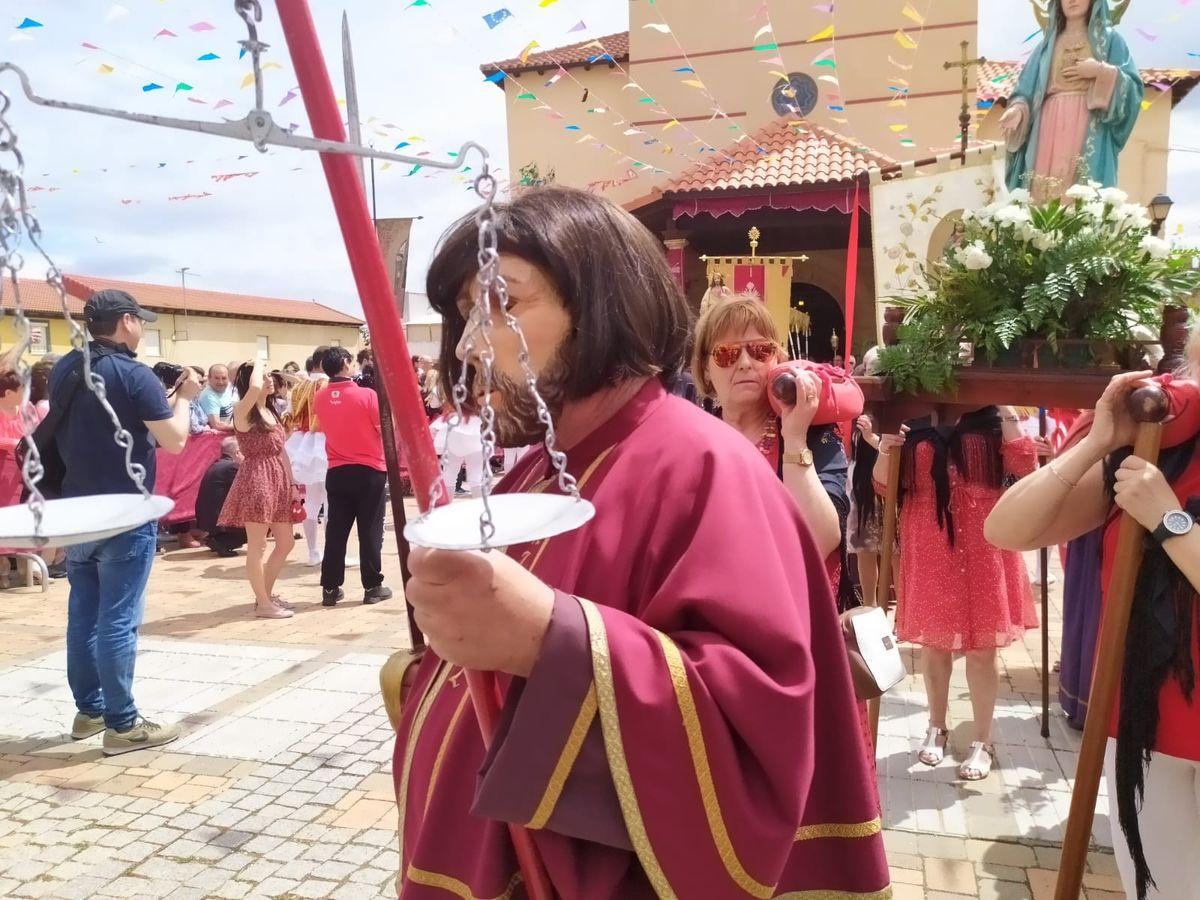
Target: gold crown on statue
{"x": 1041, "y": 11}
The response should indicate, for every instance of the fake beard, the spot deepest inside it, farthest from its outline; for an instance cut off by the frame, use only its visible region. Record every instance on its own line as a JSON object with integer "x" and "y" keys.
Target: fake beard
{"x": 517, "y": 422}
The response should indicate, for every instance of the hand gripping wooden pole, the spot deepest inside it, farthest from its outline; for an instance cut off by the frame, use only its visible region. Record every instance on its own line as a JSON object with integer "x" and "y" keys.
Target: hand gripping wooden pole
{"x": 1148, "y": 407}
{"x": 886, "y": 555}
{"x": 387, "y": 335}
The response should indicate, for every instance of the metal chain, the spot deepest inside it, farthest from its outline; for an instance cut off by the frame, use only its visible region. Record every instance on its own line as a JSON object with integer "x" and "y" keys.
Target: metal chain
{"x": 251, "y": 13}
{"x": 18, "y": 224}
{"x": 492, "y": 282}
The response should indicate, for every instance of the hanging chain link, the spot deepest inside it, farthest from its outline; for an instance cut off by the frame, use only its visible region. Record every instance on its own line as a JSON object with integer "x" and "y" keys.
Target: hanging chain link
{"x": 18, "y": 224}
{"x": 251, "y": 13}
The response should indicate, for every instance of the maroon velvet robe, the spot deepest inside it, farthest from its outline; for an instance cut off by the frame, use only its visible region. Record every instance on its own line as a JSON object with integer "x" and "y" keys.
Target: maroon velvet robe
{"x": 689, "y": 729}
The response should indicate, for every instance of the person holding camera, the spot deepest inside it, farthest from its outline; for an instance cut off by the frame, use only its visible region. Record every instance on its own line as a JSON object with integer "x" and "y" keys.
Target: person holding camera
{"x": 263, "y": 493}
{"x": 108, "y": 577}
{"x": 735, "y": 349}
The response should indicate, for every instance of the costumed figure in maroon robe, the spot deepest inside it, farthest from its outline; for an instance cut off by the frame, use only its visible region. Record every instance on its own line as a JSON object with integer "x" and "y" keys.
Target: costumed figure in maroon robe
{"x": 678, "y": 718}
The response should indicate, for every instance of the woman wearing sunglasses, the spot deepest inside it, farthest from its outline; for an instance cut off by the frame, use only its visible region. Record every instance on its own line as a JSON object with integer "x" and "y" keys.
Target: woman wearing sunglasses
{"x": 736, "y": 346}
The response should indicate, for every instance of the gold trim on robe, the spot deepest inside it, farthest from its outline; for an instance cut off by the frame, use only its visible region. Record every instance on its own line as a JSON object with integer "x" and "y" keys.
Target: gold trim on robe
{"x": 614, "y": 748}
{"x": 885, "y": 894}
{"x": 835, "y": 830}
{"x": 410, "y": 748}
{"x": 437, "y": 760}
{"x": 454, "y": 885}
{"x": 704, "y": 778}
{"x": 566, "y": 760}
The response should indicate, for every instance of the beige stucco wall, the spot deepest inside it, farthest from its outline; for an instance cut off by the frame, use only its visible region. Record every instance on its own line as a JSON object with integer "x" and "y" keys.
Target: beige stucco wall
{"x": 826, "y": 269}
{"x": 718, "y": 47}
{"x": 212, "y": 339}
{"x": 1142, "y": 169}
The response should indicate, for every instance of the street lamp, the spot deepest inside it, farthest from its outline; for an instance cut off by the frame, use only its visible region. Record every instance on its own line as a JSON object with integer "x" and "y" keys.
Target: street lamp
{"x": 1160, "y": 208}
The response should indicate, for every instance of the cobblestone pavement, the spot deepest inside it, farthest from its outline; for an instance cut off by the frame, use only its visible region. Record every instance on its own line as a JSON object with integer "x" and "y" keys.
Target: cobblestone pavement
{"x": 281, "y": 785}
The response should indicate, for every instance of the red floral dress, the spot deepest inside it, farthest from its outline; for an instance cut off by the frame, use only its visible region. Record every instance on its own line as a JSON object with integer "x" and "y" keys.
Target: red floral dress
{"x": 262, "y": 490}
{"x": 969, "y": 596}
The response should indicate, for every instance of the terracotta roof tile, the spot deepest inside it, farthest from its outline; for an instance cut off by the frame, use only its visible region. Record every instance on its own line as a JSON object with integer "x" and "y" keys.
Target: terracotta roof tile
{"x": 37, "y": 298}
{"x": 582, "y": 54}
{"x": 798, "y": 153}
{"x": 997, "y": 78}
{"x": 161, "y": 297}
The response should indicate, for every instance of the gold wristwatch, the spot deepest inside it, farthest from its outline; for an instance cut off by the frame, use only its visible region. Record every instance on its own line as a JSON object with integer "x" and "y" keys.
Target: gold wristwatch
{"x": 801, "y": 457}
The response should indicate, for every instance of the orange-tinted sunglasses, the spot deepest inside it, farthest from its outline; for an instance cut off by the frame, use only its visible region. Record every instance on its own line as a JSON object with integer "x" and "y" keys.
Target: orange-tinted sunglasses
{"x": 726, "y": 355}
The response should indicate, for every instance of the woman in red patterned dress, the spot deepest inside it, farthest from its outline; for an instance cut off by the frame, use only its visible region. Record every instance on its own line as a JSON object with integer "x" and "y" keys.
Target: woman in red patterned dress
{"x": 260, "y": 499}
{"x": 958, "y": 593}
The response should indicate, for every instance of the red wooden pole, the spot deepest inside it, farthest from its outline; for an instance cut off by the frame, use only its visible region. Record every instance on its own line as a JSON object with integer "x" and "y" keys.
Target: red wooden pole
{"x": 387, "y": 336}
{"x": 362, "y": 246}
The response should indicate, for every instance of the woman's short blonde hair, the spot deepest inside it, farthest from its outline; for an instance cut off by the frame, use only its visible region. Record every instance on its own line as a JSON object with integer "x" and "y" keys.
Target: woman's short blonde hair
{"x": 738, "y": 315}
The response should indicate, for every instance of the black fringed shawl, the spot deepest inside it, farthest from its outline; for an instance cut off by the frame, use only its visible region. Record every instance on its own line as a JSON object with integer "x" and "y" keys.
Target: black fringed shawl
{"x": 1158, "y": 645}
{"x": 976, "y": 460}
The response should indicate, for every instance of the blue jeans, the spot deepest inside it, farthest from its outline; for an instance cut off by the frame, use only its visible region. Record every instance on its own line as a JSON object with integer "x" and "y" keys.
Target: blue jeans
{"x": 108, "y": 595}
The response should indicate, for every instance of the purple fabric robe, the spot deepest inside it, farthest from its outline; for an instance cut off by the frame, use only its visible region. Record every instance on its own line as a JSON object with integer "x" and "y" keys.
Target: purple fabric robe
{"x": 689, "y": 729}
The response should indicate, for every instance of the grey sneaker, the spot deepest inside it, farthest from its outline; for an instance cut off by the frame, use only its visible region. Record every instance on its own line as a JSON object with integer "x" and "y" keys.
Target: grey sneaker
{"x": 142, "y": 734}
{"x": 85, "y": 726}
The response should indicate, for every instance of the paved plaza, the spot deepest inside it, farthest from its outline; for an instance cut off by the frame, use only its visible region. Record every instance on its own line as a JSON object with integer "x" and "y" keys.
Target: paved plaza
{"x": 281, "y": 785}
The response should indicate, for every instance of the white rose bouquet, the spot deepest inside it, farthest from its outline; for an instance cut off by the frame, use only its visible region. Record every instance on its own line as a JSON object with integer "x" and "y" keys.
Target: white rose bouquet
{"x": 1084, "y": 268}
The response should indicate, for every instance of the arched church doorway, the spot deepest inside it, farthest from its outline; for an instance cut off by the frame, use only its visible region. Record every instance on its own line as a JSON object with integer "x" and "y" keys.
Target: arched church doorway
{"x": 825, "y": 320}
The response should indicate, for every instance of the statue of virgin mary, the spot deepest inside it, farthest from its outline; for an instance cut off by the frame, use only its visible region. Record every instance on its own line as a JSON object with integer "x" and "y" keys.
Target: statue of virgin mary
{"x": 1075, "y": 103}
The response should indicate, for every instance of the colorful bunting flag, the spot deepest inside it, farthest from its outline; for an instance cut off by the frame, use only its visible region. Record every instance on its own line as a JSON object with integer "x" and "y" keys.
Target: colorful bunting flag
{"x": 685, "y": 69}
{"x": 152, "y": 86}
{"x": 207, "y": 57}
{"x": 495, "y": 77}
{"x": 898, "y": 128}
{"x": 30, "y": 23}
{"x": 571, "y": 127}
{"x": 182, "y": 86}
{"x": 495, "y": 18}
{"x": 86, "y": 46}
{"x": 526, "y": 96}
{"x": 417, "y": 3}
{"x": 222, "y": 103}
{"x": 529, "y": 48}
{"x": 764, "y": 30}
{"x": 904, "y": 40}
{"x": 828, "y": 63}
{"x": 202, "y": 26}
{"x": 546, "y": 3}
{"x": 670, "y": 125}
{"x": 578, "y": 26}
{"x": 556, "y": 76}
{"x": 907, "y": 67}
{"x": 401, "y": 145}
{"x": 823, "y": 35}
{"x": 105, "y": 69}
{"x": 166, "y": 32}
{"x": 1148, "y": 35}
{"x": 913, "y": 14}
{"x": 660, "y": 27}
{"x": 696, "y": 84}
{"x": 414, "y": 170}
{"x": 248, "y": 80}
{"x": 764, "y": 47}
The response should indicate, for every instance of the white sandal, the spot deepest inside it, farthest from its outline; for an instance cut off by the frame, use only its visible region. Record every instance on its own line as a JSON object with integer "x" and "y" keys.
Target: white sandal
{"x": 933, "y": 749}
{"x": 979, "y": 761}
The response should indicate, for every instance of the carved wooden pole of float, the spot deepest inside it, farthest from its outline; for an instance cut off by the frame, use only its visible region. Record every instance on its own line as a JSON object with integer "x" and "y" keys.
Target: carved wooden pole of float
{"x": 1148, "y": 407}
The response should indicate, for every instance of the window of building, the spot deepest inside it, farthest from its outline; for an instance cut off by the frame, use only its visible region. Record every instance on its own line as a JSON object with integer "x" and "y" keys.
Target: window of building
{"x": 335, "y": 342}
{"x": 264, "y": 347}
{"x": 151, "y": 342}
{"x": 39, "y": 337}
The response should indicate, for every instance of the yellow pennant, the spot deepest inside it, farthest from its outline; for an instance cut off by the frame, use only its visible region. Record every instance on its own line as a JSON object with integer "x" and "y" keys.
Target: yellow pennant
{"x": 905, "y": 41}
{"x": 695, "y": 84}
{"x": 898, "y": 128}
{"x": 823, "y": 35}
{"x": 670, "y": 124}
{"x": 248, "y": 80}
{"x": 529, "y": 48}
{"x": 913, "y": 14}
{"x": 105, "y": 69}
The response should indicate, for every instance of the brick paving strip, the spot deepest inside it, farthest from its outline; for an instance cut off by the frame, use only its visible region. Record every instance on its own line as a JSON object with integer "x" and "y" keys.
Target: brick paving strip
{"x": 281, "y": 785}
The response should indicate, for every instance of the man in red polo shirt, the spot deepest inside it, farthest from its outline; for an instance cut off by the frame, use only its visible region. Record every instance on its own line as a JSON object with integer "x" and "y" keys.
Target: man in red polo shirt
{"x": 356, "y": 481}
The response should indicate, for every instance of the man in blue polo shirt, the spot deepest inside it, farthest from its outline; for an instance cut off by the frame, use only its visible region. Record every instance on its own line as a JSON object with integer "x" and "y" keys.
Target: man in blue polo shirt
{"x": 108, "y": 577}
